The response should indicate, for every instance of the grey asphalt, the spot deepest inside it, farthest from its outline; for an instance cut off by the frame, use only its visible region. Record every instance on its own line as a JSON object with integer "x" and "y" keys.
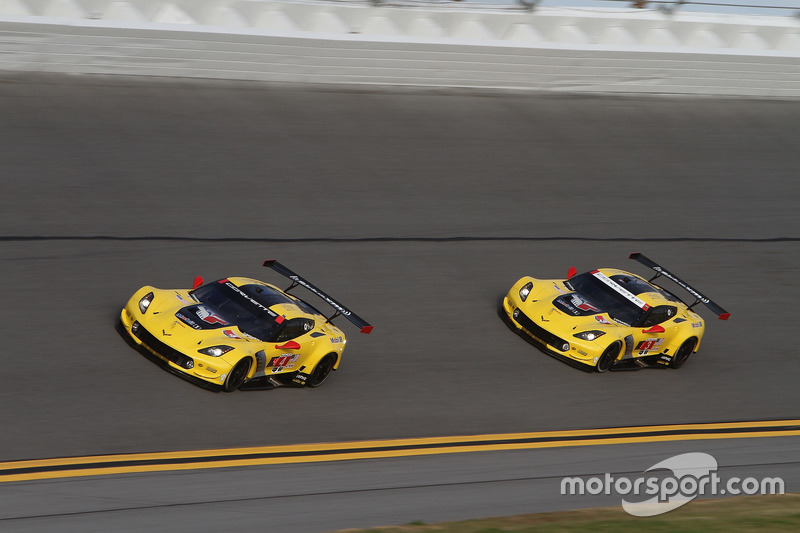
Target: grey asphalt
{"x": 415, "y": 208}
{"x": 320, "y": 497}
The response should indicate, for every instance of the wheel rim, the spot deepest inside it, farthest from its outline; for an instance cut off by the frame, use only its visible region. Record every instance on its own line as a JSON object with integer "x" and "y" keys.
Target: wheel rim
{"x": 684, "y": 352}
{"x": 607, "y": 358}
{"x": 322, "y": 370}
{"x": 237, "y": 375}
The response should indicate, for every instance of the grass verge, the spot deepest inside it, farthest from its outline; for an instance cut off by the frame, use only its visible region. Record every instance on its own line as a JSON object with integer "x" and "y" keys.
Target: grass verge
{"x": 778, "y": 513}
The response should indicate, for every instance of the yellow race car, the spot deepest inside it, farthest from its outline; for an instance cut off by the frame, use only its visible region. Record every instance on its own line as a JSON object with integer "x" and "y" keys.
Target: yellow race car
{"x": 238, "y": 333}
{"x": 608, "y": 319}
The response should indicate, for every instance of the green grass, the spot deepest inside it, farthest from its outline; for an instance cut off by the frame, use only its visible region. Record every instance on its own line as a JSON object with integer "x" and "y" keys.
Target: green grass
{"x": 778, "y": 513}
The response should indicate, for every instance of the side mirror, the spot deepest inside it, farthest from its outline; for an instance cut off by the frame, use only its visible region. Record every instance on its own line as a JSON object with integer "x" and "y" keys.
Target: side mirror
{"x": 197, "y": 282}
{"x": 655, "y": 329}
{"x": 571, "y": 272}
{"x": 291, "y": 345}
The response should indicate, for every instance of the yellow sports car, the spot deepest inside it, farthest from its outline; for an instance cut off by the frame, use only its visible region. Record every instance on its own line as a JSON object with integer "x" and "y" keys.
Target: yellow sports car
{"x": 608, "y": 318}
{"x": 238, "y": 333}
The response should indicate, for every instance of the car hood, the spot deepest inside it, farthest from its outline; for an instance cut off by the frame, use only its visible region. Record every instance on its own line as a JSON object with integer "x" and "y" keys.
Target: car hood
{"x": 573, "y": 304}
{"x": 568, "y": 313}
{"x": 176, "y": 319}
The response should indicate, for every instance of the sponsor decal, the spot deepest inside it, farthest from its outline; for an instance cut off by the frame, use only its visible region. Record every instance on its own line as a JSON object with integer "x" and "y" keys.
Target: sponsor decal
{"x": 231, "y": 334}
{"x": 602, "y": 320}
{"x": 565, "y": 305}
{"x": 188, "y": 320}
{"x": 333, "y": 303}
{"x": 207, "y": 315}
{"x": 337, "y": 340}
{"x": 568, "y": 306}
{"x": 649, "y": 345}
{"x": 697, "y": 324}
{"x": 682, "y": 283}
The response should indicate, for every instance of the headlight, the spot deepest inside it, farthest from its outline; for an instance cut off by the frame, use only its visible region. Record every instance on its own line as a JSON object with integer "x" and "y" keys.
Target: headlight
{"x": 590, "y": 335}
{"x": 525, "y": 290}
{"x": 144, "y": 303}
{"x": 215, "y": 351}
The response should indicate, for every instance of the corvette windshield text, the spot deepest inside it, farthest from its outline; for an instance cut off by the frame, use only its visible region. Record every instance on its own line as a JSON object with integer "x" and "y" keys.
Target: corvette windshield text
{"x": 620, "y": 289}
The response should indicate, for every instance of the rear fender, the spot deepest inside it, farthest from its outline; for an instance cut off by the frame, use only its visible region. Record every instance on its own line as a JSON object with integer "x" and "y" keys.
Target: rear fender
{"x": 316, "y": 356}
{"x": 683, "y": 333}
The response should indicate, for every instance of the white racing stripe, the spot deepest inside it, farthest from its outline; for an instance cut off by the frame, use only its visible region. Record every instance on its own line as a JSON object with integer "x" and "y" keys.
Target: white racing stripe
{"x": 620, "y": 289}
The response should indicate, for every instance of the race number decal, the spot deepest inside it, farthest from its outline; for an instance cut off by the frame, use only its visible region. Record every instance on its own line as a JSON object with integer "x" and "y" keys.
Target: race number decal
{"x": 283, "y": 360}
{"x": 649, "y": 345}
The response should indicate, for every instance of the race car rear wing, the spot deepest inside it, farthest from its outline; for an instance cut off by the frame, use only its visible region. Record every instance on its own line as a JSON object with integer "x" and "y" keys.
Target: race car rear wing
{"x": 339, "y": 308}
{"x": 699, "y": 298}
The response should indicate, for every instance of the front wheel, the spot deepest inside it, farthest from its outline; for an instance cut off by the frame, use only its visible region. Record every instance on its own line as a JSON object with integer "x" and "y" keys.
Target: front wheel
{"x": 321, "y": 371}
{"x": 237, "y": 376}
{"x": 683, "y": 353}
{"x": 607, "y": 358}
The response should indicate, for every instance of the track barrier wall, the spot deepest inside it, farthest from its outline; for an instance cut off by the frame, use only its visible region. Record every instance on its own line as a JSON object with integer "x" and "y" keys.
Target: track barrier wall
{"x": 432, "y": 45}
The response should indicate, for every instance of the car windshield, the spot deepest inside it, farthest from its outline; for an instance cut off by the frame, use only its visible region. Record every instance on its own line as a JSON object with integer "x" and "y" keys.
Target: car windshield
{"x": 606, "y": 298}
{"x": 268, "y": 296}
{"x": 238, "y": 308}
{"x": 638, "y": 286}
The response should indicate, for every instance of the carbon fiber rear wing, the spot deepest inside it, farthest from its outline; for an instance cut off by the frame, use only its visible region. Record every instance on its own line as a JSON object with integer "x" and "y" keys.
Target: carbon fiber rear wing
{"x": 339, "y": 308}
{"x": 699, "y": 297}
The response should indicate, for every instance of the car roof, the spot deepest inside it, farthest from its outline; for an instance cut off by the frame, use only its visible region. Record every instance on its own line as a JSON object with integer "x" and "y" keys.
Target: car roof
{"x": 287, "y": 305}
{"x": 652, "y": 296}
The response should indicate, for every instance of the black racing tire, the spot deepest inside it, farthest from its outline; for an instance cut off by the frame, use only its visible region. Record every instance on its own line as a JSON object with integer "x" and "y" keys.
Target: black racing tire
{"x": 682, "y": 354}
{"x": 321, "y": 371}
{"x": 237, "y": 375}
{"x": 607, "y": 358}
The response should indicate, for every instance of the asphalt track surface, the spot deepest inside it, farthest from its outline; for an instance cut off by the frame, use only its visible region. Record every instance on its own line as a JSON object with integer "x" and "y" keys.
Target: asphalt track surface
{"x": 417, "y": 209}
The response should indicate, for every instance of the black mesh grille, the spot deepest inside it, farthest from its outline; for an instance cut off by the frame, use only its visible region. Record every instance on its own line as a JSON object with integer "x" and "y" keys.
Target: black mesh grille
{"x": 539, "y": 332}
{"x": 157, "y": 346}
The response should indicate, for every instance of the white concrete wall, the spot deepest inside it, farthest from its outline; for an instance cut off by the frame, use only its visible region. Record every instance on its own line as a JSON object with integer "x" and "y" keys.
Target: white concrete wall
{"x": 621, "y": 50}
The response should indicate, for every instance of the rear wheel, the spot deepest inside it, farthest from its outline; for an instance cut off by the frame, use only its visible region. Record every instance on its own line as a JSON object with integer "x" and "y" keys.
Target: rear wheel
{"x": 321, "y": 371}
{"x": 683, "y": 353}
{"x": 237, "y": 376}
{"x": 607, "y": 358}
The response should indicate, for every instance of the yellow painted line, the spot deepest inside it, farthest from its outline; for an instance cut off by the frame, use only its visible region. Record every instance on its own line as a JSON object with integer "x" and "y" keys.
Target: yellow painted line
{"x": 68, "y": 467}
